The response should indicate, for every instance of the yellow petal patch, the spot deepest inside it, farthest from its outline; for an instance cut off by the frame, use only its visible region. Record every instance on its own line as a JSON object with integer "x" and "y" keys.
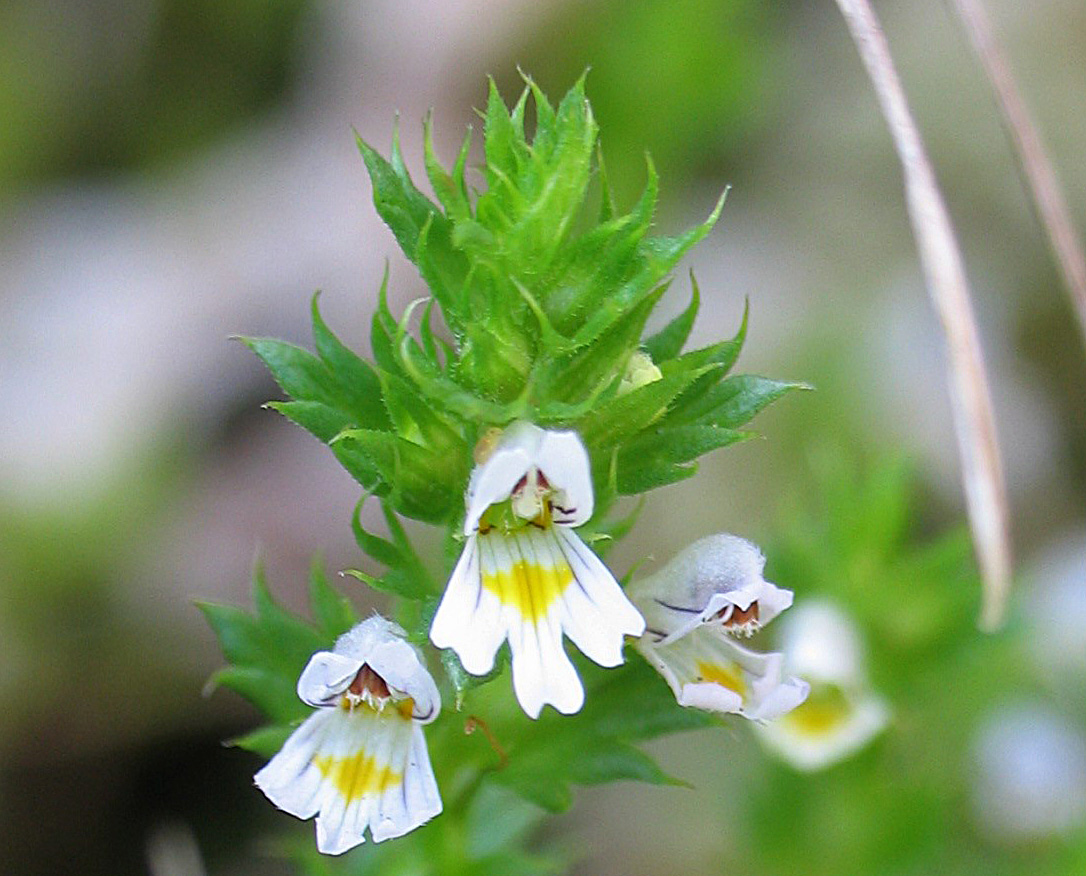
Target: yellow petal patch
{"x": 358, "y": 775}
{"x": 821, "y": 714}
{"x": 528, "y": 586}
{"x": 727, "y": 677}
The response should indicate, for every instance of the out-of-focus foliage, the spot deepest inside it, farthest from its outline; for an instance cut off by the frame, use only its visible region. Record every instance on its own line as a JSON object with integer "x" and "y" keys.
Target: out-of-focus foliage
{"x": 151, "y": 87}
{"x": 903, "y": 804}
{"x": 705, "y": 67}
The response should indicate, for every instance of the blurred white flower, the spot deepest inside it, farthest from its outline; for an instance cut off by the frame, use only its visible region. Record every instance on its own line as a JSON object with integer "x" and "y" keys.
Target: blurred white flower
{"x": 360, "y": 761}
{"x": 841, "y": 714}
{"x": 526, "y": 576}
{"x": 1031, "y": 774}
{"x": 693, "y": 607}
{"x": 1056, "y": 609}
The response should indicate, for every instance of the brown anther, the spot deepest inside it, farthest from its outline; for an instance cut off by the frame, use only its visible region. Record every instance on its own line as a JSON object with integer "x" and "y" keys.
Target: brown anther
{"x": 368, "y": 681}
{"x": 740, "y": 616}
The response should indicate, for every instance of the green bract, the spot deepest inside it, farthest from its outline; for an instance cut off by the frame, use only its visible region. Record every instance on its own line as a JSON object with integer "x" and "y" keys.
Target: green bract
{"x": 545, "y": 300}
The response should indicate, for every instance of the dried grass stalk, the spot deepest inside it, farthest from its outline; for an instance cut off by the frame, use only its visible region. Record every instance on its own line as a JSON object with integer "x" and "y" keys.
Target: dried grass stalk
{"x": 1032, "y": 158}
{"x": 945, "y": 276}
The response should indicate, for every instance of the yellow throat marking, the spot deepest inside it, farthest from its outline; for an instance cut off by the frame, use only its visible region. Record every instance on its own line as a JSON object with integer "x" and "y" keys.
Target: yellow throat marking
{"x": 528, "y": 586}
{"x": 358, "y": 775}
{"x": 726, "y": 676}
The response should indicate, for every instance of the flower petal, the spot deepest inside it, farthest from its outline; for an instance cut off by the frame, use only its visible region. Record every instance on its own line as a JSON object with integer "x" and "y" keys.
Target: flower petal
{"x": 494, "y": 480}
{"x": 709, "y": 582}
{"x": 542, "y": 672}
{"x": 823, "y": 644}
{"x": 533, "y": 585}
{"x": 326, "y": 676}
{"x": 420, "y": 792}
{"x": 708, "y": 670}
{"x": 289, "y": 779}
{"x": 354, "y": 769}
{"x": 564, "y": 462}
{"x": 399, "y": 665}
{"x": 469, "y": 619}
{"x": 597, "y": 616}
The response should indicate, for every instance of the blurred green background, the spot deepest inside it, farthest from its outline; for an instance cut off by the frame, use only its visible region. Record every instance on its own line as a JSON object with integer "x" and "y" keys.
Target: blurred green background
{"x": 172, "y": 173}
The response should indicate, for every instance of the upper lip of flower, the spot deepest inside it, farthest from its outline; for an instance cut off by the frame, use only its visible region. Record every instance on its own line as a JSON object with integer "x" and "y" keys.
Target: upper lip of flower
{"x": 371, "y": 664}
{"x": 526, "y": 457}
{"x": 716, "y": 580}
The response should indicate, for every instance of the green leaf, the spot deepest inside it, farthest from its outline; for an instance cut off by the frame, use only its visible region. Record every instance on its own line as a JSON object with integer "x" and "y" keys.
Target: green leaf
{"x": 668, "y": 342}
{"x": 383, "y": 330}
{"x": 450, "y": 189}
{"x": 593, "y": 368}
{"x": 332, "y": 611}
{"x": 422, "y": 231}
{"x": 402, "y": 206}
{"x": 405, "y": 576}
{"x": 301, "y": 374}
{"x": 736, "y": 400}
{"x": 498, "y": 818}
{"x": 272, "y": 638}
{"x": 356, "y": 379}
{"x": 267, "y": 650}
{"x": 323, "y": 421}
{"x": 662, "y": 456}
{"x": 620, "y": 418}
{"x": 622, "y": 707}
{"x": 608, "y": 272}
{"x": 270, "y": 691}
{"x": 418, "y": 481}
{"x": 265, "y": 741}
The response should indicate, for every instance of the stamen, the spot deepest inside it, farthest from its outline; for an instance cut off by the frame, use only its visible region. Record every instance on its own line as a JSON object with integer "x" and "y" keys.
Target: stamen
{"x": 742, "y": 616}
{"x": 739, "y": 620}
{"x": 367, "y": 687}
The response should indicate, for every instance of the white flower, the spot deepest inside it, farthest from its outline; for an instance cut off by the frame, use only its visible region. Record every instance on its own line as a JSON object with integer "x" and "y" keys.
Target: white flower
{"x": 710, "y": 592}
{"x": 526, "y": 576}
{"x": 360, "y": 760}
{"x": 1030, "y": 781}
{"x": 842, "y": 714}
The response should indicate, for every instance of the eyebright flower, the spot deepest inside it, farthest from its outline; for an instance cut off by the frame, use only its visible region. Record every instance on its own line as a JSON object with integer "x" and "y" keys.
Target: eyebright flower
{"x": 842, "y": 714}
{"x": 360, "y": 760}
{"x": 525, "y": 575}
{"x": 694, "y": 607}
